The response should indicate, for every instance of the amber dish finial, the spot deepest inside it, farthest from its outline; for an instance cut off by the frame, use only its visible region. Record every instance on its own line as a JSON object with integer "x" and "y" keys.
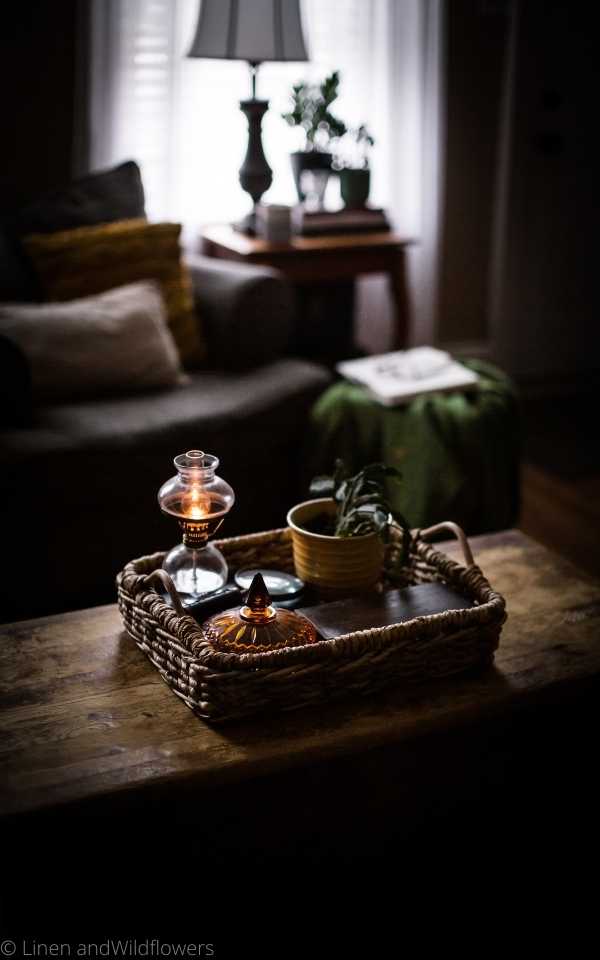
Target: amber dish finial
{"x": 258, "y": 607}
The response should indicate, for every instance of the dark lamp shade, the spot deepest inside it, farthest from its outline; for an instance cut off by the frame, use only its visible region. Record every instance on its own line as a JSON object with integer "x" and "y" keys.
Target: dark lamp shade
{"x": 253, "y": 30}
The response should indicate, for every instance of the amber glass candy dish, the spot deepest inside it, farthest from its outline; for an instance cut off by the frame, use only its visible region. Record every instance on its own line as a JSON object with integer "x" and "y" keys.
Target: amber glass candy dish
{"x": 258, "y": 626}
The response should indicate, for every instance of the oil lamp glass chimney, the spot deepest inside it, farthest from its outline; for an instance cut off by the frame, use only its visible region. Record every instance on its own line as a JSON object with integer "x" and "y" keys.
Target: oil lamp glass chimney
{"x": 199, "y": 500}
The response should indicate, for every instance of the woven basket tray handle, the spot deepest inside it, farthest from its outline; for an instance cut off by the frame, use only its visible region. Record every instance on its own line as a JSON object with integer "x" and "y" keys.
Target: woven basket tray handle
{"x": 161, "y": 578}
{"x": 458, "y": 533}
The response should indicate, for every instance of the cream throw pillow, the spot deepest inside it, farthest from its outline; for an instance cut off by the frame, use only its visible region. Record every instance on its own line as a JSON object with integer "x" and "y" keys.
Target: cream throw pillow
{"x": 111, "y": 343}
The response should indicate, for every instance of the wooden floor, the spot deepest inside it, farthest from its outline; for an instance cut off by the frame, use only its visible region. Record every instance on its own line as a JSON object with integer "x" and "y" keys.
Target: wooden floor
{"x": 560, "y": 479}
{"x": 563, "y": 514}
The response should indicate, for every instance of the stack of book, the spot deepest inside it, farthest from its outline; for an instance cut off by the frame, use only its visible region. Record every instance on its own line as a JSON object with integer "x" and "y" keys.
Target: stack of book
{"x": 318, "y": 222}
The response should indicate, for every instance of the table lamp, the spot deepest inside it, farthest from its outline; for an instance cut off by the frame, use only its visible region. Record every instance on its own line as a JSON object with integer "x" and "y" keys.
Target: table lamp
{"x": 252, "y": 30}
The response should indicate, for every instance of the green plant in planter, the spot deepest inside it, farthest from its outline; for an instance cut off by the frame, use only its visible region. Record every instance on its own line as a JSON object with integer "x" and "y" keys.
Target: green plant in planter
{"x": 355, "y": 175}
{"x": 311, "y": 104}
{"x": 362, "y": 141}
{"x": 362, "y": 504}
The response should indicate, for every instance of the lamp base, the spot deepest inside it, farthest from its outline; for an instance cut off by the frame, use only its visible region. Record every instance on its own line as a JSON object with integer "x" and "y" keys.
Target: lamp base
{"x": 256, "y": 175}
{"x": 196, "y": 571}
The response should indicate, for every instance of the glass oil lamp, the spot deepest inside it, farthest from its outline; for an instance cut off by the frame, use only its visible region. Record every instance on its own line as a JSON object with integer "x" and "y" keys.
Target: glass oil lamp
{"x": 258, "y": 626}
{"x": 199, "y": 500}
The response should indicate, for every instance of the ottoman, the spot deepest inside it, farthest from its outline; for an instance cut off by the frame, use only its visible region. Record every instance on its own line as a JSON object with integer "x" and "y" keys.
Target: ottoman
{"x": 458, "y": 452}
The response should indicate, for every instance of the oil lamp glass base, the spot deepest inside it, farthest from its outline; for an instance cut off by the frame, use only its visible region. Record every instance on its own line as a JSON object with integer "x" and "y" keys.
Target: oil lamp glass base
{"x": 196, "y": 571}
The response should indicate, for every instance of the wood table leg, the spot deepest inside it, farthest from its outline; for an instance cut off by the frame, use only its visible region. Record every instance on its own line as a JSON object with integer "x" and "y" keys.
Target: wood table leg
{"x": 399, "y": 289}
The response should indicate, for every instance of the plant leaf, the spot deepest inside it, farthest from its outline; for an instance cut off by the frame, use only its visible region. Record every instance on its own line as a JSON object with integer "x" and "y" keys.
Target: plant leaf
{"x": 341, "y": 492}
{"x": 362, "y": 502}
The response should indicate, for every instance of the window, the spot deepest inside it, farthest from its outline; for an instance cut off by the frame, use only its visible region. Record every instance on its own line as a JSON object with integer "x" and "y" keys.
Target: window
{"x": 179, "y": 117}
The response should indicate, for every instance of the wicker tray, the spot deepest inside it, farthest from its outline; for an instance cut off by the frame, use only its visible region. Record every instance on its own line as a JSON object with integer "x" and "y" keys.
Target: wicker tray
{"x": 221, "y": 686}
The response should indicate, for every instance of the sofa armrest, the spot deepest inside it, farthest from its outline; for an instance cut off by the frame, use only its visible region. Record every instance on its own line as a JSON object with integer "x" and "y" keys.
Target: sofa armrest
{"x": 247, "y": 311}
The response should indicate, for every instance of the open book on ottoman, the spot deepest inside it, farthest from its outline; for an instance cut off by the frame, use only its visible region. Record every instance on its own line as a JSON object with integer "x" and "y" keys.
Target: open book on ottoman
{"x": 395, "y": 378}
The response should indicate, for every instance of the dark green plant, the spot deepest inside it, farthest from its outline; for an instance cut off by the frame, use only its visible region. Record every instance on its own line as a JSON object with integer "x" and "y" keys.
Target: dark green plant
{"x": 362, "y": 502}
{"x": 310, "y": 110}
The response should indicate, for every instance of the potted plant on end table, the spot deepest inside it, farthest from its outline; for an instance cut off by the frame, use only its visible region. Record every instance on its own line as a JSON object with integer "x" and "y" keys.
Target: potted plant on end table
{"x": 355, "y": 175}
{"x": 311, "y": 114}
{"x": 339, "y": 538}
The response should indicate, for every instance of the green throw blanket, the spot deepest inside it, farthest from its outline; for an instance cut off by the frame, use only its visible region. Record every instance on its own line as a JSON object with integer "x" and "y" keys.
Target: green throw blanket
{"x": 458, "y": 452}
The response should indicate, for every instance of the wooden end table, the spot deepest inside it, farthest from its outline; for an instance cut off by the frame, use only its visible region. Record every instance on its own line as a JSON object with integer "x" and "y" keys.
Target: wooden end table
{"x": 323, "y": 260}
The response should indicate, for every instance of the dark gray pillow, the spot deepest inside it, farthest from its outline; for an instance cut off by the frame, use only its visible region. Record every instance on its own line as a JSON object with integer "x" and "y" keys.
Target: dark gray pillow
{"x": 102, "y": 197}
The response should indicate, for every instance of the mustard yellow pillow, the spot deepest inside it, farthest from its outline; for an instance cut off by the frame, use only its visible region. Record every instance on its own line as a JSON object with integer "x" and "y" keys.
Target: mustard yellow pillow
{"x": 88, "y": 260}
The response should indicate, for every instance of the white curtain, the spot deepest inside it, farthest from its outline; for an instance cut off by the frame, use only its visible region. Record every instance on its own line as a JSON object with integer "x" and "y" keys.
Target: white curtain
{"x": 179, "y": 119}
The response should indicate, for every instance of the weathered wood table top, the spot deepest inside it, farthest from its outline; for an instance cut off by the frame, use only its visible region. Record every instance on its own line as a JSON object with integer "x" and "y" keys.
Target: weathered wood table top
{"x": 85, "y": 715}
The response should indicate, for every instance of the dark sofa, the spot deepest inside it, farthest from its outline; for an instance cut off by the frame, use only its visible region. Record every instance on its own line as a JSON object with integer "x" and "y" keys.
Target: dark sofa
{"x": 78, "y": 482}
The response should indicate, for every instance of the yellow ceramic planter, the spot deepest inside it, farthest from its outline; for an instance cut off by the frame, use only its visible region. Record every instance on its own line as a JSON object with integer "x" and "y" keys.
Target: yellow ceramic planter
{"x": 333, "y": 564}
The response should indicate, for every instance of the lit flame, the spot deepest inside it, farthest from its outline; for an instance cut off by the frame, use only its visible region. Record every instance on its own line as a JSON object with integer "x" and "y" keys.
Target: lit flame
{"x": 195, "y": 504}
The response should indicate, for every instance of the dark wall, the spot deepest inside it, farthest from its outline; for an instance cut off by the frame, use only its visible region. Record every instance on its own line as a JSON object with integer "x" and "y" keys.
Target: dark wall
{"x": 476, "y": 38}
{"x": 38, "y": 45}
{"x": 520, "y": 182}
{"x": 548, "y": 299}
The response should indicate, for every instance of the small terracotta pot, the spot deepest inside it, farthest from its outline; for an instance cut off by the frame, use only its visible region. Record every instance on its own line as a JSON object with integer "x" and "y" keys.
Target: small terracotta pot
{"x": 333, "y": 564}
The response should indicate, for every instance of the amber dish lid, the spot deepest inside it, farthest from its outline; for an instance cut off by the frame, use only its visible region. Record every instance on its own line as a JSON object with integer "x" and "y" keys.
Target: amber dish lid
{"x": 258, "y": 626}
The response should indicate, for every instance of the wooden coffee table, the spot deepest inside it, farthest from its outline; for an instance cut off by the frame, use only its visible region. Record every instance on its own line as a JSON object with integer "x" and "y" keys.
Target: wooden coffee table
{"x": 86, "y": 720}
